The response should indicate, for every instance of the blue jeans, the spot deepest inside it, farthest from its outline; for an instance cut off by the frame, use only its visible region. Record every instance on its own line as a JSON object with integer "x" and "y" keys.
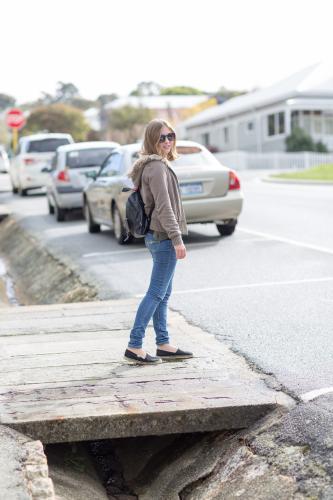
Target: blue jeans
{"x": 155, "y": 302}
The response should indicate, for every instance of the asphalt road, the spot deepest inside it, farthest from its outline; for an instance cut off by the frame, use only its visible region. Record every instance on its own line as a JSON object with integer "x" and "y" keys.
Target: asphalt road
{"x": 267, "y": 290}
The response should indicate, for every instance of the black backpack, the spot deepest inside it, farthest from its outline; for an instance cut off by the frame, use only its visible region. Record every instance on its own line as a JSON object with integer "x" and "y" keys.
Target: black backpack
{"x": 137, "y": 222}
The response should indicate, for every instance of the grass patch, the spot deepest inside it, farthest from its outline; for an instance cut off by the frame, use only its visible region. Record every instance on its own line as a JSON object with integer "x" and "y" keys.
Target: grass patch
{"x": 318, "y": 173}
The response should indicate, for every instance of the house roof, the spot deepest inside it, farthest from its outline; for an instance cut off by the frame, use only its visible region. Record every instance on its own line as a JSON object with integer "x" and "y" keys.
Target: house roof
{"x": 315, "y": 80}
{"x": 158, "y": 101}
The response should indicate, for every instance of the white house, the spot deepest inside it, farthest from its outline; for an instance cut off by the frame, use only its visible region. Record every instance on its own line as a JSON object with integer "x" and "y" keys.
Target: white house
{"x": 261, "y": 120}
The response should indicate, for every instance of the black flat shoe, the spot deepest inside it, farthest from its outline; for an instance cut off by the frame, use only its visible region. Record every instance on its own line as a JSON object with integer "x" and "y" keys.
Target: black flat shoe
{"x": 179, "y": 354}
{"x": 133, "y": 358}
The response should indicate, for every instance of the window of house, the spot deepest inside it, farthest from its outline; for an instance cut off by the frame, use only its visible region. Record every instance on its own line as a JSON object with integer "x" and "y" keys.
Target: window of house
{"x": 306, "y": 121}
{"x": 205, "y": 138}
{"x": 271, "y": 125}
{"x": 276, "y": 123}
{"x": 226, "y": 134}
{"x": 328, "y": 125}
{"x": 281, "y": 123}
{"x": 294, "y": 119}
{"x": 250, "y": 126}
{"x": 317, "y": 122}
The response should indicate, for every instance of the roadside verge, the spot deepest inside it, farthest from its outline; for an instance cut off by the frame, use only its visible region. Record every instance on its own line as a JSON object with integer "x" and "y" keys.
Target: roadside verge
{"x": 297, "y": 181}
{"x": 41, "y": 277}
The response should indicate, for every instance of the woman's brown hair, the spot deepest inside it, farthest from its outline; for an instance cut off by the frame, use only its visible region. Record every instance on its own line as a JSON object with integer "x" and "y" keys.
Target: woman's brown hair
{"x": 152, "y": 136}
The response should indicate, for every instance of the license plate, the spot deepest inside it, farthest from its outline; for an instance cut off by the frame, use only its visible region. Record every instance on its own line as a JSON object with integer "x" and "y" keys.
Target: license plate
{"x": 191, "y": 188}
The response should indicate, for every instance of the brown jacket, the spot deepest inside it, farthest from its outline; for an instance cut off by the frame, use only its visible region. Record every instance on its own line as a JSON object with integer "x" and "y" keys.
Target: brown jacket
{"x": 160, "y": 192}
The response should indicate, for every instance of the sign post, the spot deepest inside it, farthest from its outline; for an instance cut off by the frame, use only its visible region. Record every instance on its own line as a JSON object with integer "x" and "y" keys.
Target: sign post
{"x": 15, "y": 120}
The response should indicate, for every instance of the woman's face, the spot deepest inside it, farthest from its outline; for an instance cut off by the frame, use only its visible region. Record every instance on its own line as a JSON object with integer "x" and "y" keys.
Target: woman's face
{"x": 166, "y": 145}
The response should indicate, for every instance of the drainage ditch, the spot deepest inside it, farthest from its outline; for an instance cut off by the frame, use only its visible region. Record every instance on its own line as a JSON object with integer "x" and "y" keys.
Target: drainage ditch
{"x": 8, "y": 294}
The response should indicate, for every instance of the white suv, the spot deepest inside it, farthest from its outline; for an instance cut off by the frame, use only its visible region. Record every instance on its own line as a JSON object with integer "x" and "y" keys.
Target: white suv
{"x": 33, "y": 154}
{"x": 4, "y": 162}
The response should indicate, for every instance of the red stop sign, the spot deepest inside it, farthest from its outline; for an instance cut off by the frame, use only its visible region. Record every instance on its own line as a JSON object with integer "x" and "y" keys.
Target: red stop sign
{"x": 15, "y": 118}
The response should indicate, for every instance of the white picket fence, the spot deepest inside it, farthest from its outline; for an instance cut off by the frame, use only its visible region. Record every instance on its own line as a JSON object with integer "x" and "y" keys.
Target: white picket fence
{"x": 242, "y": 160}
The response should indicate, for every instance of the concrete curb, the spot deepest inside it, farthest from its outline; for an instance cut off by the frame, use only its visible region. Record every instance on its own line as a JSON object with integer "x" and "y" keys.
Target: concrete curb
{"x": 297, "y": 181}
{"x": 23, "y": 468}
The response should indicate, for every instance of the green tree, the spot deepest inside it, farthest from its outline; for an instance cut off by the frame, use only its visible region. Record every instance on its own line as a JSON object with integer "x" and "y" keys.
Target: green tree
{"x": 66, "y": 92}
{"x": 146, "y": 89}
{"x": 105, "y": 98}
{"x": 57, "y": 118}
{"x": 129, "y": 120}
{"x": 223, "y": 93}
{"x": 321, "y": 147}
{"x": 299, "y": 140}
{"x": 181, "y": 90}
{"x": 6, "y": 101}
{"x": 82, "y": 103}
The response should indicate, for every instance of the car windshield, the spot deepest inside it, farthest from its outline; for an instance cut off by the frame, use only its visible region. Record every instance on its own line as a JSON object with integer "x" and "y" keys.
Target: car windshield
{"x": 193, "y": 155}
{"x": 87, "y": 157}
{"x": 46, "y": 145}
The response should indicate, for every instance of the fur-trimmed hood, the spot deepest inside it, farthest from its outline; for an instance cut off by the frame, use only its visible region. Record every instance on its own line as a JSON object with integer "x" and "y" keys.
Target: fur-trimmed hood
{"x": 136, "y": 172}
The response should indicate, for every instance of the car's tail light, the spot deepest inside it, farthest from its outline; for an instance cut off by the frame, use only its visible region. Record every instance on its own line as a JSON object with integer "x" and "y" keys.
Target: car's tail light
{"x": 29, "y": 161}
{"x": 63, "y": 176}
{"x": 234, "y": 182}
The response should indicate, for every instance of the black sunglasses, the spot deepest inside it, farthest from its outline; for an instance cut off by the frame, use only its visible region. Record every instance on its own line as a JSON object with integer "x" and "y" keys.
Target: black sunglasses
{"x": 171, "y": 137}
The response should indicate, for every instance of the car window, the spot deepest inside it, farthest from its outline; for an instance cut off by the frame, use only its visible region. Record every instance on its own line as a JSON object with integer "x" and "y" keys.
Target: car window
{"x": 93, "y": 157}
{"x": 113, "y": 165}
{"x": 194, "y": 155}
{"x": 46, "y": 145}
{"x": 54, "y": 161}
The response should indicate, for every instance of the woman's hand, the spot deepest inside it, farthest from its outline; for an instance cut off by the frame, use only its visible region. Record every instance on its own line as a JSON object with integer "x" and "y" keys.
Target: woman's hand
{"x": 180, "y": 251}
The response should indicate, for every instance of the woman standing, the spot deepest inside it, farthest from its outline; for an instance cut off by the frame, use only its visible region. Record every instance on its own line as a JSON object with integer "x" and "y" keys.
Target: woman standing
{"x": 159, "y": 189}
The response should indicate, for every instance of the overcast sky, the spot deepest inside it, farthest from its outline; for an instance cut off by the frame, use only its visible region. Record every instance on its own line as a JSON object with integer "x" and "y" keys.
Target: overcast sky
{"x": 105, "y": 46}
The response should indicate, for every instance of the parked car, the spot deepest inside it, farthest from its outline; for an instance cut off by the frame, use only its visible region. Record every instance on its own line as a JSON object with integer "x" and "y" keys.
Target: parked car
{"x": 70, "y": 169}
{"x": 34, "y": 151}
{"x": 210, "y": 192}
{"x": 4, "y": 162}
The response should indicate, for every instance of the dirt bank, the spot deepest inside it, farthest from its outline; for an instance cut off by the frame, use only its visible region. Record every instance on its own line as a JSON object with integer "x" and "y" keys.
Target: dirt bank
{"x": 40, "y": 277}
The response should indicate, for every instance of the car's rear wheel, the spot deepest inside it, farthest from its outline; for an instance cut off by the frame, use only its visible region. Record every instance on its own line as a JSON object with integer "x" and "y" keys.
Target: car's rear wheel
{"x": 14, "y": 189}
{"x": 22, "y": 191}
{"x": 227, "y": 229}
{"x": 60, "y": 213}
{"x": 50, "y": 206}
{"x": 92, "y": 226}
{"x": 119, "y": 230}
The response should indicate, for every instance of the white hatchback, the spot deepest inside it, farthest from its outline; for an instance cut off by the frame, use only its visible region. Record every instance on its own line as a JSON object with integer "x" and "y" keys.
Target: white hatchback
{"x": 71, "y": 169}
{"x": 33, "y": 154}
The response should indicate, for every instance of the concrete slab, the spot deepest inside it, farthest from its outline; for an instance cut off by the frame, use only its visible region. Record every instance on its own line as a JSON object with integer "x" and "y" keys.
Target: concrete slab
{"x": 4, "y": 211}
{"x": 63, "y": 378}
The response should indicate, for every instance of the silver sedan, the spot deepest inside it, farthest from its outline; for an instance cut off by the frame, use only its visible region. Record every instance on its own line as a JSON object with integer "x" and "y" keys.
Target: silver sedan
{"x": 211, "y": 193}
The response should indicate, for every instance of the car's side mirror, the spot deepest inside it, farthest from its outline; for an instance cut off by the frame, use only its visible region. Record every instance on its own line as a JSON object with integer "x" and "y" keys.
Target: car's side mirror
{"x": 47, "y": 169}
{"x": 91, "y": 175}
